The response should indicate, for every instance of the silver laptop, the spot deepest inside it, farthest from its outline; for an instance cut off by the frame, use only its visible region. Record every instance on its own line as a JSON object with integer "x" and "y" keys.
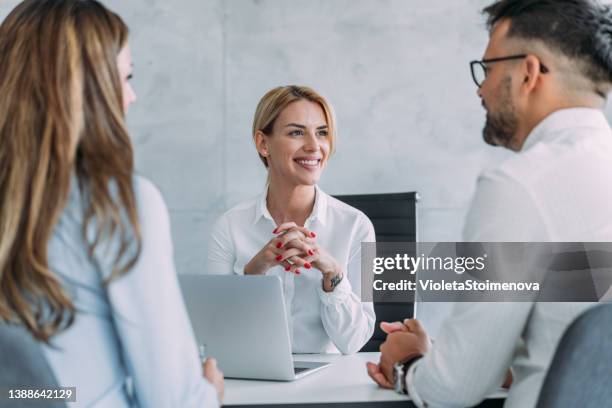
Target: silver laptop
{"x": 241, "y": 321}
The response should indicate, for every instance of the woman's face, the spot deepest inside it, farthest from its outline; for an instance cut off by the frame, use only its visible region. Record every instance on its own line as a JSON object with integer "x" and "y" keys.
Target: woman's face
{"x": 298, "y": 148}
{"x": 124, "y": 64}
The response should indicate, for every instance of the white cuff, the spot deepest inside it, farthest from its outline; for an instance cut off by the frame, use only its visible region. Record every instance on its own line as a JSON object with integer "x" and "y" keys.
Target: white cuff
{"x": 414, "y": 396}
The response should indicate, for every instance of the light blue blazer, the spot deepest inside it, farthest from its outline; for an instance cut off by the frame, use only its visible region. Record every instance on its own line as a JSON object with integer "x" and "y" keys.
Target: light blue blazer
{"x": 135, "y": 330}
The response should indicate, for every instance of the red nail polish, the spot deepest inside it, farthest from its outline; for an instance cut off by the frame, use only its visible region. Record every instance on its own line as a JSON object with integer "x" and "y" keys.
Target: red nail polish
{"x": 312, "y": 234}
{"x": 287, "y": 268}
{"x": 279, "y": 245}
{"x": 297, "y": 272}
{"x": 279, "y": 257}
{"x": 310, "y": 252}
{"x": 307, "y": 265}
{"x": 275, "y": 230}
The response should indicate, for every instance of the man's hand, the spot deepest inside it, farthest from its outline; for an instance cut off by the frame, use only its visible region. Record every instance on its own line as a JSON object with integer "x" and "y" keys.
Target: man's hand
{"x": 377, "y": 375}
{"x": 393, "y": 327}
{"x": 401, "y": 344}
{"x": 215, "y": 377}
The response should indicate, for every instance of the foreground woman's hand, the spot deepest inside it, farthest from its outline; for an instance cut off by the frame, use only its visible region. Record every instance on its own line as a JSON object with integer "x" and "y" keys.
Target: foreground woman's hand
{"x": 215, "y": 377}
{"x": 508, "y": 380}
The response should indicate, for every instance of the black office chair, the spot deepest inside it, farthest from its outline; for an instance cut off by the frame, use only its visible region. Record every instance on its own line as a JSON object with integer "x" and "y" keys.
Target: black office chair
{"x": 395, "y": 220}
{"x": 581, "y": 370}
{"x": 23, "y": 366}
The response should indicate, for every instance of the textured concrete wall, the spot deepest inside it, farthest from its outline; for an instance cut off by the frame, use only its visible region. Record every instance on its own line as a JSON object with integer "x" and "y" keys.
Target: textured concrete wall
{"x": 395, "y": 70}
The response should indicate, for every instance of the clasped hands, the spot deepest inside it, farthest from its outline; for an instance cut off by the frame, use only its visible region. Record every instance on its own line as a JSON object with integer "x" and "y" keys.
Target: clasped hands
{"x": 293, "y": 247}
{"x": 405, "y": 340}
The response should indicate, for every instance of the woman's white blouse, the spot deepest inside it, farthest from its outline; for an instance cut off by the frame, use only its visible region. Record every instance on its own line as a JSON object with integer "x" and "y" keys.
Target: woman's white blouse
{"x": 319, "y": 322}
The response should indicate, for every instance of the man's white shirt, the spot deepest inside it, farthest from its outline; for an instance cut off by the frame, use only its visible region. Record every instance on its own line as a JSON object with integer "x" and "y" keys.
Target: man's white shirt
{"x": 556, "y": 189}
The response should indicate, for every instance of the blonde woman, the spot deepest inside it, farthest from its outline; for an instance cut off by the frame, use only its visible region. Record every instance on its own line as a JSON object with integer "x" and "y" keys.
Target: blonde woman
{"x": 296, "y": 231}
{"x": 85, "y": 249}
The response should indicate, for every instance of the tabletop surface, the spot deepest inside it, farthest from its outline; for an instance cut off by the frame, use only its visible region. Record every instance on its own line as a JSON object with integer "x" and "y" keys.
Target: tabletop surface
{"x": 345, "y": 380}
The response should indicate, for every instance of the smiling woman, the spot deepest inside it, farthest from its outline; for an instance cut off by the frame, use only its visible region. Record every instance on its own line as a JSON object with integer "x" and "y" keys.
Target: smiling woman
{"x": 301, "y": 142}
{"x": 295, "y": 231}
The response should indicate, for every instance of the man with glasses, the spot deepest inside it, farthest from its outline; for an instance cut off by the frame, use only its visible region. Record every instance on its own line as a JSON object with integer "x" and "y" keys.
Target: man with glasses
{"x": 543, "y": 82}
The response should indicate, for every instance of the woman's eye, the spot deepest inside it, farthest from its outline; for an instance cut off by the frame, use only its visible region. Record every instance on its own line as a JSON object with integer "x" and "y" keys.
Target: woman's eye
{"x": 296, "y": 133}
{"x": 323, "y": 133}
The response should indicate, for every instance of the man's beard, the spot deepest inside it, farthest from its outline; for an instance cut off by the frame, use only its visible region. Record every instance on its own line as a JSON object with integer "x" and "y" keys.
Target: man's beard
{"x": 501, "y": 126}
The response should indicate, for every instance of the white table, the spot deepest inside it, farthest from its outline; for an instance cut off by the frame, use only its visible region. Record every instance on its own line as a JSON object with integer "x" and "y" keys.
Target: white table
{"x": 344, "y": 381}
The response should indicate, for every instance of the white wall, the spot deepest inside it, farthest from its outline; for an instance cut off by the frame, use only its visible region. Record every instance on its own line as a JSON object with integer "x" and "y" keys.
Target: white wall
{"x": 396, "y": 72}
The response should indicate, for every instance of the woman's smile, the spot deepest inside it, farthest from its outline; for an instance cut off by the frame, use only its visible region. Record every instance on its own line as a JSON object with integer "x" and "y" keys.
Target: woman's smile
{"x": 309, "y": 163}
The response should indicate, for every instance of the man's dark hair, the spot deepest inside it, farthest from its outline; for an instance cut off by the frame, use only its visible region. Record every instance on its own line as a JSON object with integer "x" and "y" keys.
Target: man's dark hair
{"x": 578, "y": 29}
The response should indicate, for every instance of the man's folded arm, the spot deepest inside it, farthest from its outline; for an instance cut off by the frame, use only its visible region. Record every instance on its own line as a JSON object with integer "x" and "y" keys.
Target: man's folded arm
{"x": 471, "y": 354}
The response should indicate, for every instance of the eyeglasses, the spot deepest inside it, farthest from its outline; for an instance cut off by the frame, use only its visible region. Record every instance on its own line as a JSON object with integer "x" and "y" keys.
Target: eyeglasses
{"x": 480, "y": 69}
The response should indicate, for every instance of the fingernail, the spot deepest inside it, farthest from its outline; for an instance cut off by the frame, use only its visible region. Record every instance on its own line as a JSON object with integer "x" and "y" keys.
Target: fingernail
{"x": 279, "y": 257}
{"x": 279, "y": 245}
{"x": 275, "y": 230}
{"x": 310, "y": 252}
{"x": 287, "y": 268}
{"x": 307, "y": 265}
{"x": 297, "y": 272}
{"x": 312, "y": 234}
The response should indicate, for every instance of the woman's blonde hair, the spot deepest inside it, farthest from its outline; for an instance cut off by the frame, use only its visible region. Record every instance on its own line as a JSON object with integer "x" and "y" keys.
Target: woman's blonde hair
{"x": 62, "y": 114}
{"x": 277, "y": 99}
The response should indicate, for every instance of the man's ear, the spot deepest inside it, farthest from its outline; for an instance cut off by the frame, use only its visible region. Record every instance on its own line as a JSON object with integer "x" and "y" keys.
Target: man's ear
{"x": 261, "y": 143}
{"x": 531, "y": 73}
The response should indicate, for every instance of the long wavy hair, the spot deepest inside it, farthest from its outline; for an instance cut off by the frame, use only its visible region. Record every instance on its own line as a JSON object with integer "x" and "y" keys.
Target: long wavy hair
{"x": 62, "y": 115}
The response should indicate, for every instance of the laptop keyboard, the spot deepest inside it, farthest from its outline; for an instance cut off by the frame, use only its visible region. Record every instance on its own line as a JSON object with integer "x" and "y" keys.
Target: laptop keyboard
{"x": 297, "y": 370}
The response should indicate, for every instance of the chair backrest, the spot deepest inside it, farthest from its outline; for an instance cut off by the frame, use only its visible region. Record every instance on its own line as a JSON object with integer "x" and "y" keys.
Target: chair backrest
{"x": 581, "y": 371}
{"x": 23, "y": 365}
{"x": 395, "y": 220}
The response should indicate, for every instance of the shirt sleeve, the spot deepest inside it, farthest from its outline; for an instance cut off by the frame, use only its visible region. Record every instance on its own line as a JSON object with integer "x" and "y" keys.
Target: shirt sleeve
{"x": 152, "y": 325}
{"x": 221, "y": 253}
{"x": 348, "y": 321}
{"x": 454, "y": 372}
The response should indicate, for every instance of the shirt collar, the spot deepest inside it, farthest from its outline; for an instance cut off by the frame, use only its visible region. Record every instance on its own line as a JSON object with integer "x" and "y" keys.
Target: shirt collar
{"x": 319, "y": 211}
{"x": 261, "y": 209}
{"x": 564, "y": 119}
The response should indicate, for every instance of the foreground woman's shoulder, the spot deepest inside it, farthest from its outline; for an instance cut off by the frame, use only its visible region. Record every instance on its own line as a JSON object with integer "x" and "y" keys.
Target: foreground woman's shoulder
{"x": 149, "y": 199}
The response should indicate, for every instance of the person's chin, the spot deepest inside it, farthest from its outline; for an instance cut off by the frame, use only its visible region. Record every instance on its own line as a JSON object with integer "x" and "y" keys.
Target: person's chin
{"x": 491, "y": 135}
{"x": 311, "y": 182}
{"x": 490, "y": 139}
{"x": 308, "y": 176}
{"x": 308, "y": 181}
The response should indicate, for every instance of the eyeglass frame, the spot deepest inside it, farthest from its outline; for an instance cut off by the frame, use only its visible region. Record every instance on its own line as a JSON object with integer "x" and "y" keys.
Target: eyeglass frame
{"x": 482, "y": 63}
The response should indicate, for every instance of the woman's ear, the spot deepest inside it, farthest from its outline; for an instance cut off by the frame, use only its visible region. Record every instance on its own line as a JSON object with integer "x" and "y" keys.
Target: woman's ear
{"x": 261, "y": 143}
